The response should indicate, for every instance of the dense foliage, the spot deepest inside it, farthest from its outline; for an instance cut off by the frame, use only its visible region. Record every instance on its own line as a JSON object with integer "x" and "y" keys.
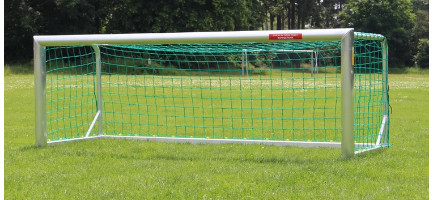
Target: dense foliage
{"x": 422, "y": 55}
{"x": 404, "y": 22}
{"x": 392, "y": 18}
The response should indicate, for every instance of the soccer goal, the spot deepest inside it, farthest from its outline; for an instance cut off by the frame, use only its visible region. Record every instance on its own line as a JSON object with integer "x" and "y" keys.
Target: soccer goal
{"x": 307, "y": 88}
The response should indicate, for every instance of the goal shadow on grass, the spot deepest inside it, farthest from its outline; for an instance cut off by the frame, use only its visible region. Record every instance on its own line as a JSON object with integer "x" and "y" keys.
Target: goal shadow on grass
{"x": 166, "y": 151}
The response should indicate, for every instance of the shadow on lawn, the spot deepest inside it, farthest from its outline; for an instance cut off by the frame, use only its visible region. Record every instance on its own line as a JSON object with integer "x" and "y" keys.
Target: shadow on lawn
{"x": 231, "y": 153}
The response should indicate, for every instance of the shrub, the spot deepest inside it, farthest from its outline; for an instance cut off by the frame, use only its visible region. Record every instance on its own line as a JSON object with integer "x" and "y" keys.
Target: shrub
{"x": 422, "y": 57}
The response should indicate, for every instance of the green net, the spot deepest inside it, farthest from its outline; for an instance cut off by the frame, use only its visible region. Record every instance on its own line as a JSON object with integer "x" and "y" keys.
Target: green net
{"x": 70, "y": 91}
{"x": 287, "y": 91}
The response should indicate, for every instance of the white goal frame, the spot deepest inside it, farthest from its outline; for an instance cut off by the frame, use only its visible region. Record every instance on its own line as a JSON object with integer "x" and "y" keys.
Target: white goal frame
{"x": 346, "y": 36}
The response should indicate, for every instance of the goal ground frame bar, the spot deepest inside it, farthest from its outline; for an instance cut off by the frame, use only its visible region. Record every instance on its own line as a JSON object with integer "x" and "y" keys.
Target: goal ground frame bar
{"x": 308, "y": 144}
{"x": 346, "y": 36}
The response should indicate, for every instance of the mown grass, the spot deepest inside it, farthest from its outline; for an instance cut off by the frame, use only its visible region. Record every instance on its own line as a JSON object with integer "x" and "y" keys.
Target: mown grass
{"x": 124, "y": 169}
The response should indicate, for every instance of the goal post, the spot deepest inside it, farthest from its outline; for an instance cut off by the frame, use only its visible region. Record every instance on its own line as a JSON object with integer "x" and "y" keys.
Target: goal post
{"x": 196, "y": 87}
{"x": 40, "y": 98}
{"x": 347, "y": 95}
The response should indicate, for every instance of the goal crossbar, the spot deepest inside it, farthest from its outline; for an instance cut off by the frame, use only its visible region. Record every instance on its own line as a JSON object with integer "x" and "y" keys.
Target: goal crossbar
{"x": 189, "y": 37}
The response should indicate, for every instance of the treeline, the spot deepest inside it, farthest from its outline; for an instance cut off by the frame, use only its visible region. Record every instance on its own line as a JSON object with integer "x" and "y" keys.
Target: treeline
{"x": 404, "y": 22}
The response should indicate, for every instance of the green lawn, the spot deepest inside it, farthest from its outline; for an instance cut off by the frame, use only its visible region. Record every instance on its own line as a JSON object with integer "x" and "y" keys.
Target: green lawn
{"x": 124, "y": 169}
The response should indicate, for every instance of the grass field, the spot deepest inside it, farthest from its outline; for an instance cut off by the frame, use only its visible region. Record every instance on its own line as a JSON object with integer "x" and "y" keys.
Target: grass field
{"x": 123, "y": 169}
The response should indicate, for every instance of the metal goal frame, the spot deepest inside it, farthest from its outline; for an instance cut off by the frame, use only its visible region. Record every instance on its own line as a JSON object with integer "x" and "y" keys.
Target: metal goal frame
{"x": 346, "y": 36}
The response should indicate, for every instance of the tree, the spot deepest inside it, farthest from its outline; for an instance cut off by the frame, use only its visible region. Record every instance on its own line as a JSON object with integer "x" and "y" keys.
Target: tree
{"x": 21, "y": 22}
{"x": 184, "y": 15}
{"x": 421, "y": 28}
{"x": 391, "y": 18}
{"x": 420, "y": 33}
{"x": 74, "y": 16}
{"x": 25, "y": 18}
{"x": 422, "y": 56}
{"x": 331, "y": 12}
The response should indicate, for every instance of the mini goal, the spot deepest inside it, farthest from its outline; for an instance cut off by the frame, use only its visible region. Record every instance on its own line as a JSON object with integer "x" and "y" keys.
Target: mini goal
{"x": 307, "y": 88}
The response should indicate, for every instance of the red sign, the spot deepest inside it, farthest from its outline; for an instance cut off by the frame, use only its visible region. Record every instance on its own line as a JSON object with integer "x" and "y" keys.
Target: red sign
{"x": 285, "y": 36}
